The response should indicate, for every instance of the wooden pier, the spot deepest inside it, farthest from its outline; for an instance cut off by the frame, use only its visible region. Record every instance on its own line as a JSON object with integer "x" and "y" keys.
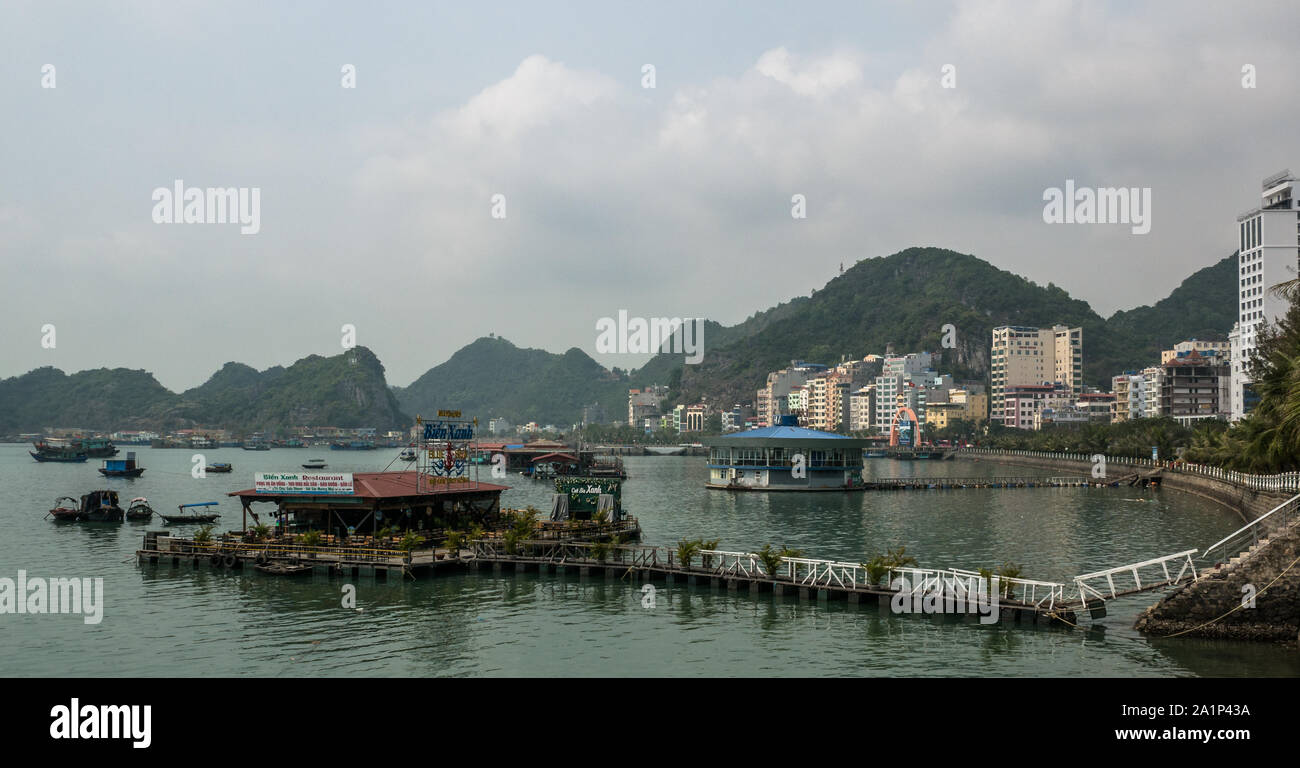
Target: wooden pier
{"x": 952, "y": 483}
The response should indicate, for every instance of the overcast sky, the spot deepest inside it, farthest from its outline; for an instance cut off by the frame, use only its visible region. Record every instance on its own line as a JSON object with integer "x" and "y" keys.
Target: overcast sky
{"x": 376, "y": 201}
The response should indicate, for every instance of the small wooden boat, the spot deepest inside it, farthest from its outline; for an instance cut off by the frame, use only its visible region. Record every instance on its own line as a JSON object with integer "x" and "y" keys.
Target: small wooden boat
{"x": 279, "y": 568}
{"x": 218, "y": 467}
{"x": 65, "y": 513}
{"x": 119, "y": 468}
{"x": 191, "y": 517}
{"x": 314, "y": 464}
{"x": 139, "y": 509}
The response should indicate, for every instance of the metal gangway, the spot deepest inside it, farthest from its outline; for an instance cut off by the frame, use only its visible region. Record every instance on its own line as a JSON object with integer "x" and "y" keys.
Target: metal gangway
{"x": 1085, "y": 589}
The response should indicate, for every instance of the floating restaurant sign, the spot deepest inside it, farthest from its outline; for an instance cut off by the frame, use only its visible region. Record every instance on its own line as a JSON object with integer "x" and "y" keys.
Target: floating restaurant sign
{"x": 305, "y": 483}
{"x": 445, "y": 446}
{"x": 446, "y": 430}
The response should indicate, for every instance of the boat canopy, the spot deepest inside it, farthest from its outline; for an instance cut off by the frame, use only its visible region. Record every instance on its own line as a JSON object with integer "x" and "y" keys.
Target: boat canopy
{"x": 198, "y": 504}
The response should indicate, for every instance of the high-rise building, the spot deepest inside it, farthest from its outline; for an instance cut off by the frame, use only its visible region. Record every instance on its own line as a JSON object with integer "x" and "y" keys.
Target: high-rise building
{"x": 771, "y": 399}
{"x": 1023, "y": 356}
{"x": 1268, "y": 242}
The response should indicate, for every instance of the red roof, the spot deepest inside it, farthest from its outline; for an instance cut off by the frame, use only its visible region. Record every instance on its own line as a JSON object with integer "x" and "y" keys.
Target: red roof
{"x": 385, "y": 485}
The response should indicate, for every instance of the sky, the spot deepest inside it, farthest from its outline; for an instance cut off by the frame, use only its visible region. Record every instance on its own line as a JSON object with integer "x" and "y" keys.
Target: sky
{"x": 379, "y": 208}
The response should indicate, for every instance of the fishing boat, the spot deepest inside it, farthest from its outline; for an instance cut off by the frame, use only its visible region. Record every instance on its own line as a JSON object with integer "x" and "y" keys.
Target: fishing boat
{"x": 407, "y": 454}
{"x": 119, "y": 468}
{"x": 100, "y": 507}
{"x": 97, "y": 447}
{"x": 191, "y": 517}
{"x": 314, "y": 464}
{"x": 62, "y": 458}
{"x": 65, "y": 513}
{"x": 278, "y": 568}
{"x": 139, "y": 509}
{"x": 218, "y": 467}
{"x": 256, "y": 443}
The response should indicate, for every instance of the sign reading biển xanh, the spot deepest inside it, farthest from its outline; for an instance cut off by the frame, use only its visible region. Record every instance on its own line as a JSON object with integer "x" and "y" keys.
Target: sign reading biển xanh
{"x": 314, "y": 483}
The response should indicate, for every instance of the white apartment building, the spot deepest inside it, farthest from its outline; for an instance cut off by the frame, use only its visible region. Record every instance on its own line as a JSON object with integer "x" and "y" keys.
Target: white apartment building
{"x": 1153, "y": 380}
{"x": 861, "y": 408}
{"x": 1268, "y": 241}
{"x": 1130, "y": 397}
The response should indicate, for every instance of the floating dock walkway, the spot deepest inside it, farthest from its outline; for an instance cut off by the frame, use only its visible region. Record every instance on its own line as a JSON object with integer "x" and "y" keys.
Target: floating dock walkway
{"x": 1019, "y": 600}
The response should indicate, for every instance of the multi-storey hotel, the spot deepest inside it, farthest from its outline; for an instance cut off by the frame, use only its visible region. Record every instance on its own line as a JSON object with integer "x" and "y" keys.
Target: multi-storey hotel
{"x": 1023, "y": 357}
{"x": 1268, "y": 240}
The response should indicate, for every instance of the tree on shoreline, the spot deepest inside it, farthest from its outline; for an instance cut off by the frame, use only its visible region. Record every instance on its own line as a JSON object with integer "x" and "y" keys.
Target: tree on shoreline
{"x": 1268, "y": 439}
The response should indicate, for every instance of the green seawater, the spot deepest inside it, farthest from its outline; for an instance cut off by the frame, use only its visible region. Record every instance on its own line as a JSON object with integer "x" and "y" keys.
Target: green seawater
{"x": 159, "y": 620}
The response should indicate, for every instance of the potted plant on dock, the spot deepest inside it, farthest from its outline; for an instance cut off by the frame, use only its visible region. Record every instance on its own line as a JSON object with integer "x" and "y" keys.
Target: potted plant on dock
{"x": 203, "y": 536}
{"x": 408, "y": 544}
{"x": 877, "y": 569}
{"x": 455, "y": 540}
{"x": 685, "y": 552}
{"x": 311, "y": 540}
{"x": 771, "y": 560}
{"x": 257, "y": 533}
{"x": 708, "y": 546}
{"x": 1008, "y": 571}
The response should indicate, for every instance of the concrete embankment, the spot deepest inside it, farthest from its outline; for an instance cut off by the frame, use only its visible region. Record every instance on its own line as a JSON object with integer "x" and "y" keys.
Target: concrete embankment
{"x": 1247, "y": 503}
{"x": 1218, "y": 605}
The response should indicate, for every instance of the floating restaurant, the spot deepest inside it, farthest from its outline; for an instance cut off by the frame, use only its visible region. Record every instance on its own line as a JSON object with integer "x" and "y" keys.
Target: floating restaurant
{"x": 785, "y": 458}
{"x": 439, "y": 493}
{"x": 347, "y": 504}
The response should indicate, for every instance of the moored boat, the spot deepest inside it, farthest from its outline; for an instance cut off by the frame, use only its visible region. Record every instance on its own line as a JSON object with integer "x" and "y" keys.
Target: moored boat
{"x": 139, "y": 509}
{"x": 279, "y": 568}
{"x": 219, "y": 467}
{"x": 191, "y": 517}
{"x": 407, "y": 454}
{"x": 66, "y": 458}
{"x": 66, "y": 513}
{"x": 119, "y": 468}
{"x": 314, "y": 464}
{"x": 100, "y": 507}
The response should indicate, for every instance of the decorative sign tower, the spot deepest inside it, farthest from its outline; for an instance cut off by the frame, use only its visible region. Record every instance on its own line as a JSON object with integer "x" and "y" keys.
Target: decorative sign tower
{"x": 443, "y": 450}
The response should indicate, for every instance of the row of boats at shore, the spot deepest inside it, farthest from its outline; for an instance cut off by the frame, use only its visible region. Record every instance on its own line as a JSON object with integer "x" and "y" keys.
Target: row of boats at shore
{"x": 104, "y": 507}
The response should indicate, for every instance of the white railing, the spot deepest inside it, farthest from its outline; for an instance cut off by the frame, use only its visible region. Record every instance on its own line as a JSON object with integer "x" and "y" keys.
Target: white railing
{"x": 1188, "y": 568}
{"x": 1286, "y": 481}
{"x": 1287, "y": 509}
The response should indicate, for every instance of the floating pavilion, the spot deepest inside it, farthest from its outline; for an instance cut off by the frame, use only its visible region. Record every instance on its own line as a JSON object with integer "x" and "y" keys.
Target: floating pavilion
{"x": 785, "y": 458}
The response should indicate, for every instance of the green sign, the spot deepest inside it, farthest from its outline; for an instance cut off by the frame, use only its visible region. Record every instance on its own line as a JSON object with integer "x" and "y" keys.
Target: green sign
{"x": 584, "y": 492}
